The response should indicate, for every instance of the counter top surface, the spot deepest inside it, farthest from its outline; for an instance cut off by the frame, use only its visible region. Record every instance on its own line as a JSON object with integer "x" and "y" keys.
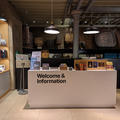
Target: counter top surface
{"x": 75, "y": 70}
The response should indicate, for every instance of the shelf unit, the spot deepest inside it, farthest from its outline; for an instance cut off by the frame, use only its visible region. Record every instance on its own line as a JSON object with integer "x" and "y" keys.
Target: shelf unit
{"x": 5, "y": 75}
{"x": 30, "y": 50}
{"x": 4, "y": 34}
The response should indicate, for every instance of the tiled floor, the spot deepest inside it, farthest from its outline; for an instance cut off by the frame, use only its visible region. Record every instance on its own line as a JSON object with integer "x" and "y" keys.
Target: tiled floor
{"x": 12, "y": 108}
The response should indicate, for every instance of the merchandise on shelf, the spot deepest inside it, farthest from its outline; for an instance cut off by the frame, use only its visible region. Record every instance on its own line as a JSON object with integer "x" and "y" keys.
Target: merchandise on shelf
{"x": 67, "y": 55}
{"x": 3, "y": 53}
{"x": 2, "y": 41}
{"x": 2, "y": 68}
{"x": 81, "y": 66}
{"x": 38, "y": 42}
{"x": 35, "y": 65}
{"x": 90, "y": 64}
{"x": 110, "y": 55}
{"x": 35, "y": 60}
{"x": 45, "y": 66}
{"x": 45, "y": 54}
{"x": 63, "y": 66}
{"x": 109, "y": 66}
{"x": 57, "y": 56}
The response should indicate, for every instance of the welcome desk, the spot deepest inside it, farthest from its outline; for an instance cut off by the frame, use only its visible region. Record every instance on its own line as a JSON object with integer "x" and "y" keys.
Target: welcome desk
{"x": 55, "y": 89}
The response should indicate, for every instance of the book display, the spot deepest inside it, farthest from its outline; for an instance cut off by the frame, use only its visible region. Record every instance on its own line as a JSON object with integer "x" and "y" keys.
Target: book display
{"x": 35, "y": 61}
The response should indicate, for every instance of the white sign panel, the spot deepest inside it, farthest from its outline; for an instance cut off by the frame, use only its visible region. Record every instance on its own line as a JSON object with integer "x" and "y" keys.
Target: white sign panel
{"x": 71, "y": 88}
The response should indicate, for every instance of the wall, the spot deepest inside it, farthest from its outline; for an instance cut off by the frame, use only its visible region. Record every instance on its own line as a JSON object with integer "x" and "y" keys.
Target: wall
{"x": 15, "y": 34}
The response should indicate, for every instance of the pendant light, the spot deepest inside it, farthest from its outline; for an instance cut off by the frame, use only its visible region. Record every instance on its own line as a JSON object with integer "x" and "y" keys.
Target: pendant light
{"x": 51, "y": 29}
{"x": 3, "y": 19}
{"x": 91, "y": 30}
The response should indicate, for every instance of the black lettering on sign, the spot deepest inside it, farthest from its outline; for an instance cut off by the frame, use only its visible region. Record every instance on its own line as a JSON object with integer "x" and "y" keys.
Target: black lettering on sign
{"x": 50, "y": 81}
{"x": 48, "y": 76}
{"x": 51, "y": 78}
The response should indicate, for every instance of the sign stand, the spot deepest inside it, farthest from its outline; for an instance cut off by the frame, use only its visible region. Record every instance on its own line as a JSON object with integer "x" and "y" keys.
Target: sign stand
{"x": 22, "y": 91}
{"x": 22, "y": 62}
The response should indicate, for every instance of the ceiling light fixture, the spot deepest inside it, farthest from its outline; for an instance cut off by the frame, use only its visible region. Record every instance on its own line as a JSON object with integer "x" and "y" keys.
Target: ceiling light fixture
{"x": 51, "y": 29}
{"x": 91, "y": 30}
{"x": 3, "y": 19}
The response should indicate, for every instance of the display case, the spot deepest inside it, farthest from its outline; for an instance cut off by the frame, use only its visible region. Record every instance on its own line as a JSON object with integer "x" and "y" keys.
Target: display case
{"x": 4, "y": 59}
{"x": 4, "y": 46}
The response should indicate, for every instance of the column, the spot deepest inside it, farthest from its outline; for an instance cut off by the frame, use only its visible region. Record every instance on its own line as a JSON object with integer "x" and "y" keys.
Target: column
{"x": 76, "y": 35}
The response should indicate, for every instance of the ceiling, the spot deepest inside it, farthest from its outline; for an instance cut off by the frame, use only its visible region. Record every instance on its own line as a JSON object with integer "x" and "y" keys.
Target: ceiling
{"x": 38, "y": 12}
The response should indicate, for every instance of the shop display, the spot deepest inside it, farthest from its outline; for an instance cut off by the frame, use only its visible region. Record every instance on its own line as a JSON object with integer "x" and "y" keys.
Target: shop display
{"x": 35, "y": 60}
{"x": 53, "y": 68}
{"x": 45, "y": 54}
{"x": 57, "y": 55}
{"x": 35, "y": 65}
{"x": 5, "y": 73}
{"x": 37, "y": 55}
{"x": 38, "y": 42}
{"x": 2, "y": 68}
{"x": 67, "y": 55}
{"x": 90, "y": 64}
{"x": 81, "y": 66}
{"x": 83, "y": 56}
{"x": 4, "y": 47}
{"x": 51, "y": 55}
{"x": 110, "y": 55}
{"x": 99, "y": 56}
{"x": 45, "y": 66}
{"x": 70, "y": 68}
{"x": 63, "y": 66}
{"x": 109, "y": 66}
{"x": 2, "y": 41}
{"x": 3, "y": 53}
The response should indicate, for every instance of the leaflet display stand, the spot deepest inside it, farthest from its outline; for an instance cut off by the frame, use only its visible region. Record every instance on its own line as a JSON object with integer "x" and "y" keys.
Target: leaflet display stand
{"x": 22, "y": 64}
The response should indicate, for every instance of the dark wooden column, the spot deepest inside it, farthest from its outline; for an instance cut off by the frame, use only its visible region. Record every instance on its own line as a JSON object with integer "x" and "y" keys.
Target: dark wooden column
{"x": 76, "y": 35}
